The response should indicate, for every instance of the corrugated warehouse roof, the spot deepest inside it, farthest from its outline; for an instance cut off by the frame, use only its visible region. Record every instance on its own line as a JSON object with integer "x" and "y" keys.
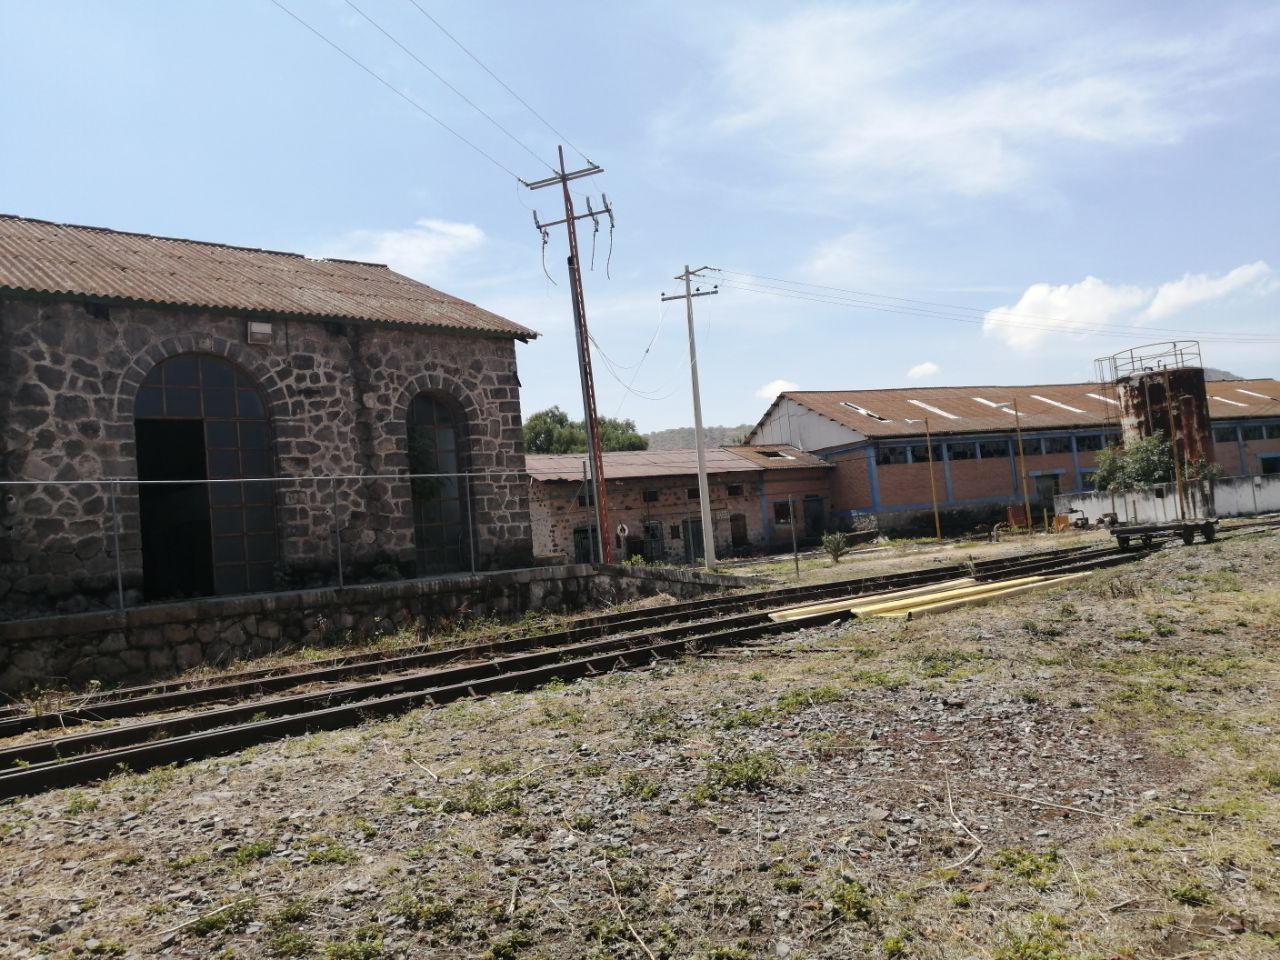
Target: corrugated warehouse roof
{"x": 901, "y": 412}
{"x": 671, "y": 463}
{"x": 38, "y": 257}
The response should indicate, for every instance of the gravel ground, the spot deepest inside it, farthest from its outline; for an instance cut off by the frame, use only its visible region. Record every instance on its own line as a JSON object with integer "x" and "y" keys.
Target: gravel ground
{"x": 1092, "y": 772}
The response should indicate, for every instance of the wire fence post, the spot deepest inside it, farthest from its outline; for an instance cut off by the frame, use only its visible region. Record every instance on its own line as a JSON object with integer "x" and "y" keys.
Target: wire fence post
{"x": 795, "y": 547}
{"x": 115, "y": 535}
{"x": 471, "y": 530}
{"x": 337, "y": 528}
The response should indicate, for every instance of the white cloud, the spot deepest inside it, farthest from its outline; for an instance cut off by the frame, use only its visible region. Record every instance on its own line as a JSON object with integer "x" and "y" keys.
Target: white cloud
{"x": 960, "y": 99}
{"x": 922, "y": 370}
{"x": 769, "y": 392}
{"x": 1176, "y": 296}
{"x": 1045, "y": 312}
{"x": 424, "y": 251}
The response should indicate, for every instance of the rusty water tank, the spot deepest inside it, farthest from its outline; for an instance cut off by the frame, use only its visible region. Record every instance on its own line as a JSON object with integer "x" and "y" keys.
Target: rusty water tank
{"x": 1173, "y": 401}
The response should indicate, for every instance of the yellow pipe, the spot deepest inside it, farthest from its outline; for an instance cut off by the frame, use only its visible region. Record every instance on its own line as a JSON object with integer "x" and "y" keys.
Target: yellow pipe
{"x": 832, "y": 606}
{"x": 875, "y": 609}
{"x": 929, "y": 609}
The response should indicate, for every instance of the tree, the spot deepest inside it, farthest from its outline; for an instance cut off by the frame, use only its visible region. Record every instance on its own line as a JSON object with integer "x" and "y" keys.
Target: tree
{"x": 551, "y": 431}
{"x": 1140, "y": 464}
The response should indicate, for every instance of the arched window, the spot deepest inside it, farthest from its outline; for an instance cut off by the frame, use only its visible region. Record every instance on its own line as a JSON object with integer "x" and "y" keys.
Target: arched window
{"x": 199, "y": 418}
{"x": 441, "y": 512}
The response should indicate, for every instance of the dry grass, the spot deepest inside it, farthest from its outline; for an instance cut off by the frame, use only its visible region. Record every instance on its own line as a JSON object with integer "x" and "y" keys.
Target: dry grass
{"x": 1087, "y": 773}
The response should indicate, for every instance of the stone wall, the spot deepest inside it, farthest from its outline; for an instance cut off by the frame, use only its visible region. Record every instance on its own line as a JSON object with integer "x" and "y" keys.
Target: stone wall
{"x": 337, "y": 396}
{"x": 161, "y": 640}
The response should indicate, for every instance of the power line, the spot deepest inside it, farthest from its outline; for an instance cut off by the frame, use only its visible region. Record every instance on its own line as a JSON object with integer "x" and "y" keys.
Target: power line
{"x": 397, "y": 91}
{"x": 1014, "y": 321}
{"x": 1057, "y": 323}
{"x": 439, "y": 26}
{"x": 480, "y": 110}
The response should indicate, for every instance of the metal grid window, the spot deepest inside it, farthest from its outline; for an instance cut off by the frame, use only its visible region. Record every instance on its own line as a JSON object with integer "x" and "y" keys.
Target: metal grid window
{"x": 212, "y": 396}
{"x": 441, "y": 532}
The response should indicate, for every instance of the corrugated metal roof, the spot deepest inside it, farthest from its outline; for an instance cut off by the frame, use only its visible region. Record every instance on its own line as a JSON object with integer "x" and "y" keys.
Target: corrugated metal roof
{"x": 951, "y": 410}
{"x": 634, "y": 464}
{"x": 38, "y": 257}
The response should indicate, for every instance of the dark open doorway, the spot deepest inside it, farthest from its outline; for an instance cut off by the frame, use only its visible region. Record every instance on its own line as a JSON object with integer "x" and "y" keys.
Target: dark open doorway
{"x": 200, "y": 419}
{"x": 177, "y": 549}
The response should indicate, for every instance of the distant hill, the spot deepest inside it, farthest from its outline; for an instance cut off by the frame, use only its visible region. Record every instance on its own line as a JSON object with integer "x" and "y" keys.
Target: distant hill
{"x": 1213, "y": 373}
{"x": 682, "y": 438}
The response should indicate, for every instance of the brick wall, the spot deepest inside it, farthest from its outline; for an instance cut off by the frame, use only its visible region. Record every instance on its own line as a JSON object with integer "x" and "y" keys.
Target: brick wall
{"x": 337, "y": 397}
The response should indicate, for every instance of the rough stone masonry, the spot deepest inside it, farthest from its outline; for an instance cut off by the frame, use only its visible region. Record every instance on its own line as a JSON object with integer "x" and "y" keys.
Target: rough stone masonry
{"x": 337, "y": 396}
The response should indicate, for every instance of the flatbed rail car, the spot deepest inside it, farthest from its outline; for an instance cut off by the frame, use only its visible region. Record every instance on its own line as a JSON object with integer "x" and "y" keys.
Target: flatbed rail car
{"x": 1125, "y": 533}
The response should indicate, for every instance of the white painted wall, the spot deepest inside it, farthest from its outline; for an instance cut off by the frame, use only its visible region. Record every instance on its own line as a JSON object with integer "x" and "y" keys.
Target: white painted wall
{"x": 1232, "y": 497}
{"x": 793, "y": 423}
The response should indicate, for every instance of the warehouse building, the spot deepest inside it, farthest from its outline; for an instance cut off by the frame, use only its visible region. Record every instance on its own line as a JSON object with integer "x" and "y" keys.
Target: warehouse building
{"x": 895, "y": 451}
{"x": 272, "y": 406}
{"x": 760, "y": 497}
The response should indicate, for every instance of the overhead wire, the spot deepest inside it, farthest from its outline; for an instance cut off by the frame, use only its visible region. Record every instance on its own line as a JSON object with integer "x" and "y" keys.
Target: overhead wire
{"x": 901, "y": 305}
{"x": 397, "y": 91}
{"x": 439, "y": 26}
{"x": 471, "y": 103}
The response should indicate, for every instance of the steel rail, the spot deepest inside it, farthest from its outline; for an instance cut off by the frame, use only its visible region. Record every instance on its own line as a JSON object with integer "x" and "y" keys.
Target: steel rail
{"x": 135, "y": 701}
{"x": 137, "y": 747}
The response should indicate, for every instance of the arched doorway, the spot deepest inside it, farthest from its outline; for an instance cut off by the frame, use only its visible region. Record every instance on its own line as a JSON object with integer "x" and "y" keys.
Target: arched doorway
{"x": 199, "y": 418}
{"x": 441, "y": 512}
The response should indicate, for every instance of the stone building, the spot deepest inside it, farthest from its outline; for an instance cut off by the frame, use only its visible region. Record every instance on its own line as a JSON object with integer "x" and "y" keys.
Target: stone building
{"x": 894, "y": 451}
{"x": 183, "y": 419}
{"x": 759, "y": 497}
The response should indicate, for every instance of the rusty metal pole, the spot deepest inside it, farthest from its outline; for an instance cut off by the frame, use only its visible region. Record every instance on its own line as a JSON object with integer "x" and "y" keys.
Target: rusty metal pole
{"x": 1022, "y": 465}
{"x": 604, "y": 537}
{"x": 933, "y": 487}
{"x": 795, "y": 547}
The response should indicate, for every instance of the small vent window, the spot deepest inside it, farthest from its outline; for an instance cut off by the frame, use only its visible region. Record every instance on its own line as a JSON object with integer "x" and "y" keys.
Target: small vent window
{"x": 734, "y": 490}
{"x": 692, "y": 493}
{"x": 650, "y": 496}
{"x": 1224, "y": 434}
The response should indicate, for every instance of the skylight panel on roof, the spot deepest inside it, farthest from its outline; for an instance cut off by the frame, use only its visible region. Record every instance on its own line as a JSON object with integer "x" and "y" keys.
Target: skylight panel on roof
{"x": 942, "y": 413}
{"x": 1097, "y": 396}
{"x": 1250, "y": 393}
{"x": 1003, "y": 405}
{"x": 864, "y": 411}
{"x": 1232, "y": 402}
{"x": 1036, "y": 396}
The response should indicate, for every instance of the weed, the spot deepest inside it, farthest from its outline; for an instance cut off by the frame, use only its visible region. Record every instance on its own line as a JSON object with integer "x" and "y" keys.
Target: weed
{"x": 634, "y": 785}
{"x": 1269, "y": 777}
{"x": 246, "y": 853}
{"x": 479, "y": 801}
{"x": 365, "y": 944}
{"x": 894, "y": 946}
{"x": 1133, "y": 636}
{"x": 960, "y": 900}
{"x": 191, "y": 860}
{"x": 743, "y": 770}
{"x": 1192, "y": 893}
{"x": 325, "y": 850}
{"x": 78, "y": 802}
{"x": 793, "y": 701}
{"x": 290, "y": 943}
{"x": 1035, "y": 868}
{"x": 851, "y": 901}
{"x": 422, "y": 914}
{"x": 582, "y": 821}
{"x": 129, "y": 860}
{"x": 757, "y": 676}
{"x": 509, "y": 947}
{"x": 230, "y": 916}
{"x": 108, "y": 948}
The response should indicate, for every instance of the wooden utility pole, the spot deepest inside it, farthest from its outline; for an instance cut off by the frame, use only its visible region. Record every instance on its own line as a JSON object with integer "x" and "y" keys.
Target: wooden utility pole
{"x": 704, "y": 493}
{"x": 604, "y": 536}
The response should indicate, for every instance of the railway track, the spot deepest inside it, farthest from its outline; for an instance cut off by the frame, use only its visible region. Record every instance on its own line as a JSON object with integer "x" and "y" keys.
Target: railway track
{"x": 350, "y": 690}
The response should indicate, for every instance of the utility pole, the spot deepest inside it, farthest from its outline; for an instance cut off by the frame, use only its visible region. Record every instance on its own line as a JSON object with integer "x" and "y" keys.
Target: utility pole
{"x": 1022, "y": 466}
{"x": 704, "y": 493}
{"x": 604, "y": 536}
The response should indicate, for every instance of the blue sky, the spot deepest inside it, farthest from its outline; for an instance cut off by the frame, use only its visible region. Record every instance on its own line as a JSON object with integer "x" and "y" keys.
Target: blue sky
{"x": 1056, "y": 183}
